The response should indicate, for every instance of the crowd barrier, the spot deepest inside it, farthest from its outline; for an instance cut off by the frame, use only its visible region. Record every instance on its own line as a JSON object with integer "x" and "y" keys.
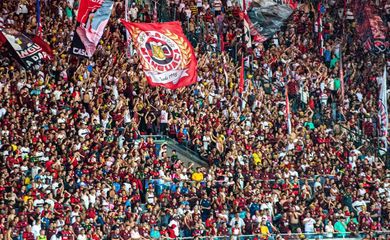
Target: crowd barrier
{"x": 335, "y": 236}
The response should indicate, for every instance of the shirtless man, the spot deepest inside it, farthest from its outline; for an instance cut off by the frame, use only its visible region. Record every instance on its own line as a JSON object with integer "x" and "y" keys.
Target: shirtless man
{"x": 294, "y": 219}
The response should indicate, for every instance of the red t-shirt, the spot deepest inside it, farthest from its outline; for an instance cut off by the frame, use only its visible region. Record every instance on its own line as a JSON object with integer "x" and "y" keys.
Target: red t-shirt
{"x": 28, "y": 236}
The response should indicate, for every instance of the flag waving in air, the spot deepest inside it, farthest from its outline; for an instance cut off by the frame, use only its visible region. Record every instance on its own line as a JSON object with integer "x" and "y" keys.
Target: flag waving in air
{"x": 167, "y": 57}
{"x": 28, "y": 52}
{"x": 247, "y": 32}
{"x": 92, "y": 18}
{"x": 383, "y": 111}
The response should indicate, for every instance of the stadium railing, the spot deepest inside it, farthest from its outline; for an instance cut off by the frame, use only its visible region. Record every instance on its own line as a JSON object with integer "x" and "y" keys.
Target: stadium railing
{"x": 334, "y": 236}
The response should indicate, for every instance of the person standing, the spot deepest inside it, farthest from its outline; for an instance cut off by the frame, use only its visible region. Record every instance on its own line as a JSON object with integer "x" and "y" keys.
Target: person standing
{"x": 329, "y": 229}
{"x": 309, "y": 223}
{"x": 164, "y": 121}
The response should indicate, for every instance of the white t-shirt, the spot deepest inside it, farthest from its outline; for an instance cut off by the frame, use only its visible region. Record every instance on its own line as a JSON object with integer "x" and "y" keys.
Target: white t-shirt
{"x": 238, "y": 221}
{"x": 133, "y": 12}
{"x": 127, "y": 118}
{"x": 92, "y": 199}
{"x": 188, "y": 13}
{"x": 38, "y": 203}
{"x": 3, "y": 111}
{"x": 329, "y": 229}
{"x": 135, "y": 234}
{"x": 85, "y": 198}
{"x": 50, "y": 202}
{"x": 54, "y": 237}
{"x": 181, "y": 6}
{"x": 82, "y": 237}
{"x": 206, "y": 141}
{"x": 164, "y": 116}
{"x": 309, "y": 224}
{"x": 73, "y": 216}
{"x": 36, "y": 228}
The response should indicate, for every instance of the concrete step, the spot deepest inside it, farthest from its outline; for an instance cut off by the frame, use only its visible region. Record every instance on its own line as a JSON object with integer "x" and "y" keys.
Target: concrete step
{"x": 185, "y": 154}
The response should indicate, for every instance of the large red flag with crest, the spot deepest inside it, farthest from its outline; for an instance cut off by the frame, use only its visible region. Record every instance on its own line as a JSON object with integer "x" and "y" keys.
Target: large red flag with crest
{"x": 167, "y": 57}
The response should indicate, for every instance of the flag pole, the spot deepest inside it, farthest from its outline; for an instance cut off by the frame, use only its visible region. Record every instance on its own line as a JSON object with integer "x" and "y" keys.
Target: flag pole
{"x": 38, "y": 18}
{"x": 155, "y": 15}
{"x": 241, "y": 84}
{"x": 288, "y": 120}
{"x": 320, "y": 33}
{"x": 129, "y": 51}
{"x": 341, "y": 74}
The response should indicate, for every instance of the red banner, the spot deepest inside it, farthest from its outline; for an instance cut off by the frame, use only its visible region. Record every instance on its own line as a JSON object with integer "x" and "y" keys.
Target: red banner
{"x": 44, "y": 45}
{"x": 86, "y": 7}
{"x": 167, "y": 57}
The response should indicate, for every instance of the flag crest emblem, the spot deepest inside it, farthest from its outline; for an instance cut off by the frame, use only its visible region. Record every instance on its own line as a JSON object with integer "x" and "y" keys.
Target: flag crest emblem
{"x": 161, "y": 51}
{"x": 166, "y": 56}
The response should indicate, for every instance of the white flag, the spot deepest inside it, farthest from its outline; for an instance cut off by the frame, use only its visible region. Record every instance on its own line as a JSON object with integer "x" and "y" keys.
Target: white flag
{"x": 383, "y": 113}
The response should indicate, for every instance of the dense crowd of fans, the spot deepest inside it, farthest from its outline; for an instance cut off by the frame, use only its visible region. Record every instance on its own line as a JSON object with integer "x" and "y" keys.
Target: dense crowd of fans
{"x": 73, "y": 167}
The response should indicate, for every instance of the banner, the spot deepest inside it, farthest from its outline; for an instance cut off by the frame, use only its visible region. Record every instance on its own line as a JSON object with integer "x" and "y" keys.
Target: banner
{"x": 370, "y": 28}
{"x": 247, "y": 31}
{"x": 44, "y": 45}
{"x": 27, "y": 52}
{"x": 92, "y": 18}
{"x": 383, "y": 111}
{"x": 268, "y": 16}
{"x": 252, "y": 29}
{"x": 166, "y": 55}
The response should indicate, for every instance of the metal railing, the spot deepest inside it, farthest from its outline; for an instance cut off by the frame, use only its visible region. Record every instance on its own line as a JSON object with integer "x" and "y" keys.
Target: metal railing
{"x": 155, "y": 137}
{"x": 380, "y": 235}
{"x": 184, "y": 146}
{"x": 372, "y": 145}
{"x": 335, "y": 236}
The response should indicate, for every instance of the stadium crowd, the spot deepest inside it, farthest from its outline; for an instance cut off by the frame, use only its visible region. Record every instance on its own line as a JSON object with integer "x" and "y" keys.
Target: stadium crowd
{"x": 73, "y": 165}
